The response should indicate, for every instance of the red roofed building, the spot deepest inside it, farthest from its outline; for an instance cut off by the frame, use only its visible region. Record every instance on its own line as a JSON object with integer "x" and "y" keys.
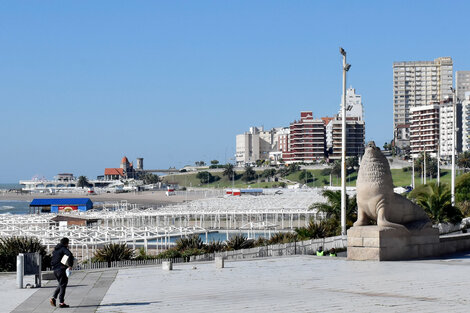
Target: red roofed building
{"x": 113, "y": 173}
{"x": 126, "y": 170}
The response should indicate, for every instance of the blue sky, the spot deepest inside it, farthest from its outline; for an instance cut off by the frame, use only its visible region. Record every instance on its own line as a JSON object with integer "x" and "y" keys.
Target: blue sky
{"x": 84, "y": 83}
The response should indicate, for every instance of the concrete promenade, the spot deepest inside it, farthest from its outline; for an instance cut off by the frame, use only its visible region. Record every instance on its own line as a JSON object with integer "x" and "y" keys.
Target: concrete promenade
{"x": 287, "y": 284}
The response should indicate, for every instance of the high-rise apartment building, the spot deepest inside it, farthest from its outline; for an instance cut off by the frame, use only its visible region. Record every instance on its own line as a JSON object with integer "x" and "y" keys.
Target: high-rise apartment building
{"x": 355, "y": 137}
{"x": 307, "y": 141}
{"x": 424, "y": 129}
{"x": 417, "y": 83}
{"x": 466, "y": 122}
{"x": 462, "y": 83}
{"x": 446, "y": 117}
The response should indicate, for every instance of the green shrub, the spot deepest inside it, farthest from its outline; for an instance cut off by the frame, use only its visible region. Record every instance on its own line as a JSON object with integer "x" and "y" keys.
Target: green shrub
{"x": 113, "y": 252}
{"x": 190, "y": 242}
{"x": 214, "y": 246}
{"x": 10, "y": 247}
{"x": 169, "y": 254}
{"x": 143, "y": 255}
{"x": 238, "y": 242}
{"x": 186, "y": 254}
{"x": 279, "y": 238}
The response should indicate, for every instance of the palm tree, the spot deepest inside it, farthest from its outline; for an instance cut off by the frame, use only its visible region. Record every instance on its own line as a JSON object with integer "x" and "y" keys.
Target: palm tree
{"x": 10, "y": 247}
{"x": 190, "y": 242}
{"x": 436, "y": 200}
{"x": 228, "y": 171}
{"x": 82, "y": 182}
{"x": 113, "y": 252}
{"x": 332, "y": 208}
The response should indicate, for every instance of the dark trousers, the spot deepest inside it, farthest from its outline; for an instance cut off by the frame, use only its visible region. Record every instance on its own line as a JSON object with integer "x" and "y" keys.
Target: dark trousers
{"x": 63, "y": 281}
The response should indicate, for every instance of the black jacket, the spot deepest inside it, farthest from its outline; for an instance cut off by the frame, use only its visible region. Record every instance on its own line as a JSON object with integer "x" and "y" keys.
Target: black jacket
{"x": 59, "y": 251}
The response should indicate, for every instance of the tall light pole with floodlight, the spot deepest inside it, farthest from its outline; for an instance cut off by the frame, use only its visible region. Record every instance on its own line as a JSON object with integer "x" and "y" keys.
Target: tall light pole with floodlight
{"x": 346, "y": 68}
{"x": 454, "y": 113}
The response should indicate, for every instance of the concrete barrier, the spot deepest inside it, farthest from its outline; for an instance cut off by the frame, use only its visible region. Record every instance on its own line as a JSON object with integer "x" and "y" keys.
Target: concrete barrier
{"x": 219, "y": 262}
{"x": 167, "y": 265}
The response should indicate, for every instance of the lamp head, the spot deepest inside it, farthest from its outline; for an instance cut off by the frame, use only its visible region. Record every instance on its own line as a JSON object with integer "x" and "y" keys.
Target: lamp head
{"x": 347, "y": 67}
{"x": 341, "y": 50}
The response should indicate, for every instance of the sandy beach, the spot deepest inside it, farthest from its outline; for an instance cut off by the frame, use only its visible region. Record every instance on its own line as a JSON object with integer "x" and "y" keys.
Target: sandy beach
{"x": 150, "y": 198}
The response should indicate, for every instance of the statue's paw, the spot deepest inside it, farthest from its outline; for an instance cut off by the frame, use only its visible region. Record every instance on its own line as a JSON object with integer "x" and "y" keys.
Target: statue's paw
{"x": 360, "y": 223}
{"x": 392, "y": 225}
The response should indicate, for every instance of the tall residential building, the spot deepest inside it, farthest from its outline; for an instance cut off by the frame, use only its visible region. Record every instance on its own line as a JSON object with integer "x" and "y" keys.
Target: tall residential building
{"x": 417, "y": 83}
{"x": 424, "y": 129}
{"x": 354, "y": 106}
{"x": 355, "y": 128}
{"x": 446, "y": 116}
{"x": 466, "y": 122}
{"x": 462, "y": 83}
{"x": 306, "y": 140}
{"x": 256, "y": 144}
{"x": 355, "y": 137}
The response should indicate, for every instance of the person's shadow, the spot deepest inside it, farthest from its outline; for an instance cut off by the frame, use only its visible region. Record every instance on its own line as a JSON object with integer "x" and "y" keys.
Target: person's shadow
{"x": 116, "y": 304}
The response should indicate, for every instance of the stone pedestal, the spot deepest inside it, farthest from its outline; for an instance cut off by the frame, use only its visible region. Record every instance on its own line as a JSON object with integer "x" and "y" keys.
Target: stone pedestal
{"x": 388, "y": 244}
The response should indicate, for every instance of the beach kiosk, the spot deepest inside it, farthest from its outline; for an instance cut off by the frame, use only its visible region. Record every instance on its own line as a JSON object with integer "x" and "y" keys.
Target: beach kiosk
{"x": 61, "y": 205}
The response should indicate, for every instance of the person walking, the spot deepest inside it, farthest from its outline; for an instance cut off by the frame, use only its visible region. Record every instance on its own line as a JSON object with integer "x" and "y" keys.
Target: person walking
{"x": 62, "y": 259}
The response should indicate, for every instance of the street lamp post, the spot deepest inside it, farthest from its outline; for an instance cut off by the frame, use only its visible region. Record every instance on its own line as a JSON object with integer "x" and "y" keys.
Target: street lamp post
{"x": 346, "y": 68}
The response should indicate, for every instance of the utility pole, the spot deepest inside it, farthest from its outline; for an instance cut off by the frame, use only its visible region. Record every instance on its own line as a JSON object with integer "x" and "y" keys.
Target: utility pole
{"x": 438, "y": 162}
{"x": 346, "y": 68}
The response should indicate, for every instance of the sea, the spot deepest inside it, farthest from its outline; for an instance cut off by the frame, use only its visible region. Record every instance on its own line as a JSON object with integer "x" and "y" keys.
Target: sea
{"x": 14, "y": 207}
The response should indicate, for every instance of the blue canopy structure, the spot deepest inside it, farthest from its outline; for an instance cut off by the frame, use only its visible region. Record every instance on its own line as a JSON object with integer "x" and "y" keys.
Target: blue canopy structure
{"x": 65, "y": 205}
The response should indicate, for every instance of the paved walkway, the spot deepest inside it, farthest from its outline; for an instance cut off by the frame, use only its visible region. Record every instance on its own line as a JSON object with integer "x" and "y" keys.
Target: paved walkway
{"x": 288, "y": 284}
{"x": 84, "y": 293}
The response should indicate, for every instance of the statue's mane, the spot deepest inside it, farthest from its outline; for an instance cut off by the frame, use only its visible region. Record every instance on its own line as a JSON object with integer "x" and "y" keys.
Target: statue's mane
{"x": 374, "y": 169}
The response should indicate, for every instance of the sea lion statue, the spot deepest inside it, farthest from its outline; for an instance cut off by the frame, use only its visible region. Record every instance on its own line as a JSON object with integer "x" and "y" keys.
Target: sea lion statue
{"x": 376, "y": 199}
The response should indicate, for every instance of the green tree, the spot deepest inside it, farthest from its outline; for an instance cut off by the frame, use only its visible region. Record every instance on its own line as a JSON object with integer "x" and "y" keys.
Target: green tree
{"x": 463, "y": 161}
{"x": 332, "y": 207}
{"x": 228, "y": 171}
{"x": 268, "y": 173}
{"x": 436, "y": 201}
{"x": 82, "y": 182}
{"x": 214, "y": 162}
{"x": 150, "y": 178}
{"x": 336, "y": 168}
{"x": 249, "y": 174}
{"x": 306, "y": 176}
{"x": 431, "y": 165}
{"x": 205, "y": 177}
{"x": 352, "y": 162}
{"x": 462, "y": 188}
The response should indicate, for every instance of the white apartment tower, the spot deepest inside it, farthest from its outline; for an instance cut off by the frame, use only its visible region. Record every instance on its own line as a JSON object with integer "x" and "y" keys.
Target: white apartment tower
{"x": 466, "y": 122}
{"x": 462, "y": 83}
{"x": 418, "y": 83}
{"x": 446, "y": 116}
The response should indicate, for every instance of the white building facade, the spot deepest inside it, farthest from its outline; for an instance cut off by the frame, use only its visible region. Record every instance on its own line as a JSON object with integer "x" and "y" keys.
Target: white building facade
{"x": 466, "y": 122}
{"x": 257, "y": 144}
{"x": 418, "y": 83}
{"x": 462, "y": 83}
{"x": 446, "y": 116}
